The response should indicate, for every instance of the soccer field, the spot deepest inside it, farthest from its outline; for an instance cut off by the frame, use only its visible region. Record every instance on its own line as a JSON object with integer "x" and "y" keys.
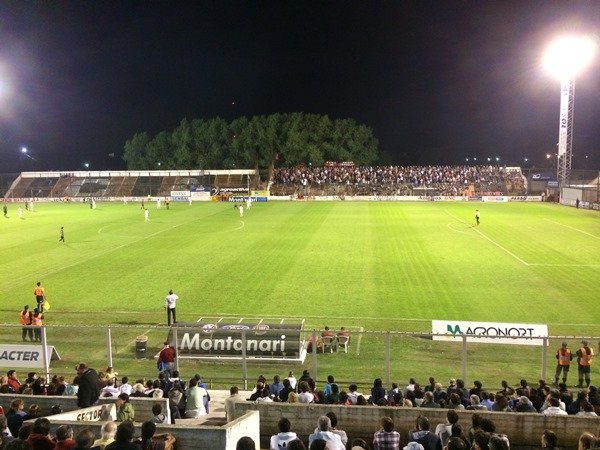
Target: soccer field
{"x": 363, "y": 265}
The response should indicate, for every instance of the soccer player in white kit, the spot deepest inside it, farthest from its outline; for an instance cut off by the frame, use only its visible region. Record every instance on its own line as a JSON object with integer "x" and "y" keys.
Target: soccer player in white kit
{"x": 146, "y": 215}
{"x": 241, "y": 208}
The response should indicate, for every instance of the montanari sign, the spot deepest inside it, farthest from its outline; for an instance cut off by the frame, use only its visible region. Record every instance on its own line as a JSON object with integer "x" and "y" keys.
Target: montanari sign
{"x": 256, "y": 340}
{"x": 489, "y": 332}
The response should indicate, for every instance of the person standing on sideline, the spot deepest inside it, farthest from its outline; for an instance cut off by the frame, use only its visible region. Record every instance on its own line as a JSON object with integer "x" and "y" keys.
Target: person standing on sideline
{"x": 477, "y": 215}
{"x": 37, "y": 320}
{"x": 564, "y": 357}
{"x": 170, "y": 303}
{"x": 26, "y": 320}
{"x": 584, "y": 359}
{"x": 40, "y": 296}
{"x": 62, "y": 235}
{"x": 146, "y": 215}
{"x": 241, "y": 208}
{"x": 190, "y": 200}
{"x": 167, "y": 358}
{"x": 5, "y": 210}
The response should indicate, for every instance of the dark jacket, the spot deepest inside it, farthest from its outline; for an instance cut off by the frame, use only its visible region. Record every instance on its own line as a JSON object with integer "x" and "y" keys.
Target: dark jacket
{"x": 88, "y": 392}
{"x": 429, "y": 440}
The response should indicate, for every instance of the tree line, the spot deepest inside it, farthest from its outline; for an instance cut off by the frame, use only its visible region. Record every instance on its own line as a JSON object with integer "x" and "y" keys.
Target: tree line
{"x": 261, "y": 142}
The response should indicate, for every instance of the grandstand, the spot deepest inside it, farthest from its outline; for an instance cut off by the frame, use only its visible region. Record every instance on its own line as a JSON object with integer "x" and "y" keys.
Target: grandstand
{"x": 119, "y": 184}
{"x": 331, "y": 180}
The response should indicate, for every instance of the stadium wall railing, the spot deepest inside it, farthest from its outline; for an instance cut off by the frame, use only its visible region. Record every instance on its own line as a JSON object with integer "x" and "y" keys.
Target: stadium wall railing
{"x": 389, "y": 355}
{"x": 524, "y": 430}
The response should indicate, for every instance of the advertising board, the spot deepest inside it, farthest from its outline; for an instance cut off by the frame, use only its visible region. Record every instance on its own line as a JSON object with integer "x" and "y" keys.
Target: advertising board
{"x": 490, "y": 332}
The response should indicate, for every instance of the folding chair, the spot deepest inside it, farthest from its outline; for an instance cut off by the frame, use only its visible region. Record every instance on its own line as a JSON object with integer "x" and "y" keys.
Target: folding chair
{"x": 343, "y": 341}
{"x": 328, "y": 341}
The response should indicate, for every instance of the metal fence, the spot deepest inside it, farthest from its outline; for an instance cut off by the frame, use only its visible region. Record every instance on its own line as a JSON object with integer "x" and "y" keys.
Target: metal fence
{"x": 392, "y": 356}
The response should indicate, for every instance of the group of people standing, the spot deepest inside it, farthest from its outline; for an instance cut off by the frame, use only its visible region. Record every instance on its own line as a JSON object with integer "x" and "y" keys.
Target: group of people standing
{"x": 33, "y": 321}
{"x": 585, "y": 356}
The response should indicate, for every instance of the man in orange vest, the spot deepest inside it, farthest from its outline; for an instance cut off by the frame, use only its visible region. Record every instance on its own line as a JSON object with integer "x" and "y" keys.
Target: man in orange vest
{"x": 37, "y": 320}
{"x": 584, "y": 358}
{"x": 26, "y": 320}
{"x": 40, "y": 296}
{"x": 564, "y": 357}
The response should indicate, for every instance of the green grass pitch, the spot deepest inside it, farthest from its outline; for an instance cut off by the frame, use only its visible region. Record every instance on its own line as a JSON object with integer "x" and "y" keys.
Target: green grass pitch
{"x": 367, "y": 266}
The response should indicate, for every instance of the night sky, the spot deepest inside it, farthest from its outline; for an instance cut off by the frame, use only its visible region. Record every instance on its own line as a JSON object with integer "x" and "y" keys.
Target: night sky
{"x": 437, "y": 81}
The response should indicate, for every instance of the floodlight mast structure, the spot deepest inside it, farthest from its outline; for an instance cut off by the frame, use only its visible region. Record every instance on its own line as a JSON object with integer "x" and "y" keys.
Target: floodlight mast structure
{"x": 565, "y": 131}
{"x": 566, "y": 57}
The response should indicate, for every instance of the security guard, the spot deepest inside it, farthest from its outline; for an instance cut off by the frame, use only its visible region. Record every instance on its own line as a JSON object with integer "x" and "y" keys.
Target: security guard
{"x": 584, "y": 358}
{"x": 26, "y": 320}
{"x": 564, "y": 357}
{"x": 37, "y": 320}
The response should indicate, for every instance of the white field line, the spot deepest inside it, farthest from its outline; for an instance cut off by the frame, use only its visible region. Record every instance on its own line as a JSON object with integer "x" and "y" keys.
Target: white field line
{"x": 574, "y": 229}
{"x": 80, "y": 261}
{"x": 564, "y": 265}
{"x": 492, "y": 241}
{"x": 359, "y": 339}
{"x": 570, "y": 265}
{"x": 355, "y": 318}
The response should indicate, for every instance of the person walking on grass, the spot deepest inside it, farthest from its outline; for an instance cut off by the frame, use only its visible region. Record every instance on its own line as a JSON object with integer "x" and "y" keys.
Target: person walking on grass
{"x": 477, "y": 215}
{"x": 62, "y": 235}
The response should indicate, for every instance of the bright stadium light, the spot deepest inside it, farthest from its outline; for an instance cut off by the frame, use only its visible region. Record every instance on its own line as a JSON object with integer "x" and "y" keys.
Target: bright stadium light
{"x": 565, "y": 58}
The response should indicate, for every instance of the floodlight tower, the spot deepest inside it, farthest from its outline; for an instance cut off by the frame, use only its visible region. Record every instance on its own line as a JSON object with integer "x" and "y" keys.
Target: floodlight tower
{"x": 565, "y": 58}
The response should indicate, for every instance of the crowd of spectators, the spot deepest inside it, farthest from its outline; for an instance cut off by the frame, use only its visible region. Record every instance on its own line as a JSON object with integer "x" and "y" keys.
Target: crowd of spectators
{"x": 88, "y": 386}
{"x": 540, "y": 398}
{"x": 479, "y": 435}
{"x": 443, "y": 180}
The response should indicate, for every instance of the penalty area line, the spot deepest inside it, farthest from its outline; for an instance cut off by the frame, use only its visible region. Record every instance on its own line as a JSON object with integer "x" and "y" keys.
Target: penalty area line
{"x": 573, "y": 228}
{"x": 491, "y": 241}
{"x": 501, "y": 248}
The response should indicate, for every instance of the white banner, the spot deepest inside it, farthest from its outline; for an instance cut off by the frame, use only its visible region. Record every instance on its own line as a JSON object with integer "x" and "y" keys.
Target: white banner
{"x": 180, "y": 193}
{"x": 25, "y": 355}
{"x": 490, "y": 332}
{"x": 98, "y": 413}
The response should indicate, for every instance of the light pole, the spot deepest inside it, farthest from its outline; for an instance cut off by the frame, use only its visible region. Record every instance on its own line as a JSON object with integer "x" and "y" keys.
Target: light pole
{"x": 565, "y": 58}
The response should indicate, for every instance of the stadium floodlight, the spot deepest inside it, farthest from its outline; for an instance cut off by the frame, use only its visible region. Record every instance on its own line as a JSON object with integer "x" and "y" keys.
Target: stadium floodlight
{"x": 565, "y": 58}
{"x": 26, "y": 153}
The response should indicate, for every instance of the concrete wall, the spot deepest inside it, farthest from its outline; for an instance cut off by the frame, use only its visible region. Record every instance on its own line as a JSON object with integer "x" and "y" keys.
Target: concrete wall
{"x": 141, "y": 405}
{"x": 523, "y": 429}
{"x": 190, "y": 436}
